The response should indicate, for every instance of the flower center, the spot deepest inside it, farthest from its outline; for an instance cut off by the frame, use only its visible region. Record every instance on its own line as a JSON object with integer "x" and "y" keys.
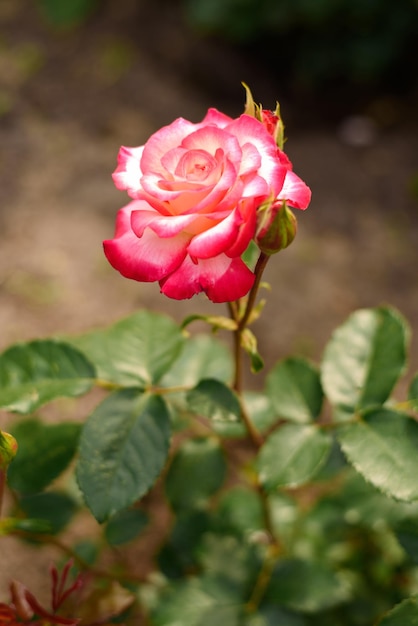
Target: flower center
{"x": 195, "y": 165}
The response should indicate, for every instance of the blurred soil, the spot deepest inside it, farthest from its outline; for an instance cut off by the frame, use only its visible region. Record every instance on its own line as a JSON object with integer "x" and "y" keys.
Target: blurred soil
{"x": 69, "y": 99}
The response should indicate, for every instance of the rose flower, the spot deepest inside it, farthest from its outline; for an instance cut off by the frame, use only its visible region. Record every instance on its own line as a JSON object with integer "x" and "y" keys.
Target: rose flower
{"x": 195, "y": 192}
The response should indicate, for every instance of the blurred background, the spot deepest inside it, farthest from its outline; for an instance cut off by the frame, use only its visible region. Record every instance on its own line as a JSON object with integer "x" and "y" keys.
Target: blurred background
{"x": 79, "y": 78}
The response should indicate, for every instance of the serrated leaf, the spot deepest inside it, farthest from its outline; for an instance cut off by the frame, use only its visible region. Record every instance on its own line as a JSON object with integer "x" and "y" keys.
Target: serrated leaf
{"x": 125, "y": 526}
{"x": 37, "y": 372}
{"x": 364, "y": 359}
{"x": 214, "y": 400}
{"x": 295, "y": 390}
{"x": 137, "y": 350}
{"x": 123, "y": 448}
{"x": 203, "y": 356}
{"x": 383, "y": 447}
{"x": 196, "y": 472}
{"x": 403, "y": 614}
{"x": 306, "y": 586}
{"x": 44, "y": 452}
{"x": 292, "y": 455}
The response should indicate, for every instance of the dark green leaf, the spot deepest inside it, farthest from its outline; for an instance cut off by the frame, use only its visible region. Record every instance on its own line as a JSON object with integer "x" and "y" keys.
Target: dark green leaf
{"x": 306, "y": 586}
{"x": 211, "y": 398}
{"x": 137, "y": 350}
{"x": 364, "y": 359}
{"x": 403, "y": 614}
{"x": 44, "y": 452}
{"x": 203, "y": 356}
{"x": 35, "y": 373}
{"x": 54, "y": 508}
{"x": 274, "y": 616}
{"x": 123, "y": 448}
{"x": 196, "y": 472}
{"x": 125, "y": 526}
{"x": 383, "y": 447}
{"x": 295, "y": 390}
{"x": 178, "y": 555}
{"x": 292, "y": 455}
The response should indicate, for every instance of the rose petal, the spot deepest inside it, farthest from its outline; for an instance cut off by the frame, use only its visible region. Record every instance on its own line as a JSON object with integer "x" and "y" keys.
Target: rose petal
{"x": 213, "y": 116}
{"x": 161, "y": 142}
{"x": 163, "y": 226}
{"x": 147, "y": 258}
{"x": 128, "y": 173}
{"x": 296, "y": 193}
{"x": 217, "y": 239}
{"x": 221, "y": 278}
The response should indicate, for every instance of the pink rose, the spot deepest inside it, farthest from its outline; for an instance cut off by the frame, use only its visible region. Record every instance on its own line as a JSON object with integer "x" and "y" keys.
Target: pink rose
{"x": 195, "y": 189}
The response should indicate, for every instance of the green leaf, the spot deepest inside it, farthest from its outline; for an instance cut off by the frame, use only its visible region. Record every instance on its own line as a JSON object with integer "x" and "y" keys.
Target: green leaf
{"x": 216, "y": 321}
{"x": 260, "y": 410}
{"x": 123, "y": 448}
{"x": 292, "y": 455}
{"x": 203, "y": 356}
{"x": 306, "y": 586}
{"x": 403, "y": 614}
{"x": 54, "y": 508}
{"x": 273, "y": 616}
{"x": 383, "y": 447}
{"x": 37, "y": 372}
{"x": 295, "y": 390}
{"x": 125, "y": 526}
{"x": 178, "y": 555}
{"x": 196, "y": 472}
{"x": 413, "y": 393}
{"x": 136, "y": 351}
{"x": 364, "y": 359}
{"x": 211, "y": 398}
{"x": 197, "y": 602}
{"x": 240, "y": 511}
{"x": 251, "y": 255}
{"x": 44, "y": 452}
{"x": 249, "y": 344}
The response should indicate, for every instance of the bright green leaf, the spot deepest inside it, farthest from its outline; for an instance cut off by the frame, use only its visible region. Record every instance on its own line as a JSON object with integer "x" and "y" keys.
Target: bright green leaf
{"x": 123, "y": 448}
{"x": 383, "y": 447}
{"x": 295, "y": 390}
{"x": 196, "y": 472}
{"x": 125, "y": 526}
{"x": 37, "y": 372}
{"x": 413, "y": 392}
{"x": 137, "y": 350}
{"x": 364, "y": 359}
{"x": 44, "y": 452}
{"x": 292, "y": 455}
{"x": 216, "y": 321}
{"x": 403, "y": 614}
{"x": 211, "y": 398}
{"x": 203, "y": 356}
{"x": 54, "y": 508}
{"x": 306, "y": 586}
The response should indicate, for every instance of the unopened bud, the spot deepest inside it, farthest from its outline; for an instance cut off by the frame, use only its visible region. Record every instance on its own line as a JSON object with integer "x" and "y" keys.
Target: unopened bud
{"x": 8, "y": 449}
{"x": 276, "y": 227}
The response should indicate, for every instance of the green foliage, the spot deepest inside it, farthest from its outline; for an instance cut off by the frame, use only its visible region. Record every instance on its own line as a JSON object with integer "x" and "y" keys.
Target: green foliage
{"x": 44, "y": 452}
{"x": 64, "y": 13}
{"x": 35, "y": 373}
{"x": 123, "y": 449}
{"x": 311, "y": 521}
